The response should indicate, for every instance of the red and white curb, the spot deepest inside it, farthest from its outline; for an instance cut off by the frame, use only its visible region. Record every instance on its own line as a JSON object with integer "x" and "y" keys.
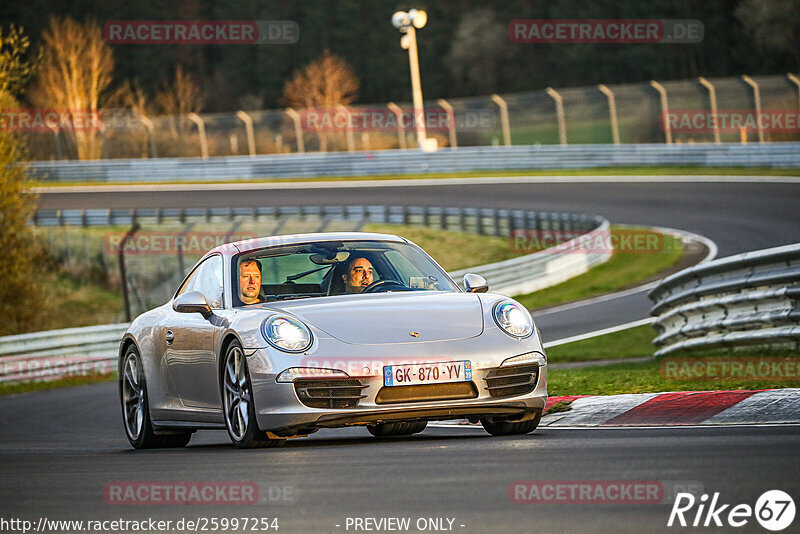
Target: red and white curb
{"x": 680, "y": 408}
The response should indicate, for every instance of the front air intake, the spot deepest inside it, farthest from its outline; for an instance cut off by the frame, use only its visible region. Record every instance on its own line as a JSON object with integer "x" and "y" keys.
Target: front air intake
{"x": 329, "y": 393}
{"x": 512, "y": 380}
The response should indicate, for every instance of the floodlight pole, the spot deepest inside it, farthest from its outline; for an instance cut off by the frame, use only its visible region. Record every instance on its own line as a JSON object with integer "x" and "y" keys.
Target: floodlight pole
{"x": 416, "y": 85}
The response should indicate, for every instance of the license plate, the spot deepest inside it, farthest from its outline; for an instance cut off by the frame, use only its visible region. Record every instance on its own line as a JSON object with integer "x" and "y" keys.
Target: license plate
{"x": 427, "y": 373}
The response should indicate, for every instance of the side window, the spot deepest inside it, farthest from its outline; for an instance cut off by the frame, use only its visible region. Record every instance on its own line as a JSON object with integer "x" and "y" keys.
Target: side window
{"x": 207, "y": 279}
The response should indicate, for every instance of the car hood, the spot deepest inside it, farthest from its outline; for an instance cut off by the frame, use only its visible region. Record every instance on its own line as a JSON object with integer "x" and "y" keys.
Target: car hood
{"x": 383, "y": 318}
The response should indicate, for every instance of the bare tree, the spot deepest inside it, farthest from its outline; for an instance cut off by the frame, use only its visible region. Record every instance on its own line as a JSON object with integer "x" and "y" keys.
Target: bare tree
{"x": 76, "y": 70}
{"x": 181, "y": 96}
{"x": 328, "y": 81}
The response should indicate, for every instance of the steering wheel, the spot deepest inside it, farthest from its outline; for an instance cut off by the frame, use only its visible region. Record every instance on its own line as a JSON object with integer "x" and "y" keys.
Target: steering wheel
{"x": 385, "y": 285}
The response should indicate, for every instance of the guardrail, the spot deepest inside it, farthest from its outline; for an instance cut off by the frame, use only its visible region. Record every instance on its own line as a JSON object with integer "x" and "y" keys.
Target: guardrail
{"x": 750, "y": 298}
{"x": 383, "y": 162}
{"x": 50, "y": 354}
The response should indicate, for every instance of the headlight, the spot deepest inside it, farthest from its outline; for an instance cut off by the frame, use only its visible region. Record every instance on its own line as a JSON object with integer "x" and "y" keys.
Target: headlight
{"x": 513, "y": 318}
{"x": 286, "y": 333}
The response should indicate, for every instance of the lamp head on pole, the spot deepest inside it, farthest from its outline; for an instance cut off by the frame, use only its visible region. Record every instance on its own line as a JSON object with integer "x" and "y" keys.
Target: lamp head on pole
{"x": 414, "y": 17}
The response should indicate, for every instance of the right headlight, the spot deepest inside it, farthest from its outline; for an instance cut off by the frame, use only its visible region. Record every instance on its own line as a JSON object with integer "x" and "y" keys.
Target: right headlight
{"x": 286, "y": 333}
{"x": 513, "y": 319}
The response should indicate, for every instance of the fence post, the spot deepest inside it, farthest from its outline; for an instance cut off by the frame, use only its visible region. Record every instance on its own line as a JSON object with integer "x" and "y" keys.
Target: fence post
{"x": 248, "y": 127}
{"x": 451, "y": 121}
{"x": 712, "y": 95}
{"x": 150, "y": 134}
{"x": 298, "y": 129}
{"x": 351, "y": 145}
{"x": 201, "y": 129}
{"x": 562, "y": 123}
{"x": 662, "y": 93}
{"x": 123, "y": 275}
{"x": 612, "y": 112}
{"x": 401, "y": 129}
{"x": 501, "y": 103}
{"x": 795, "y": 81}
{"x": 757, "y": 98}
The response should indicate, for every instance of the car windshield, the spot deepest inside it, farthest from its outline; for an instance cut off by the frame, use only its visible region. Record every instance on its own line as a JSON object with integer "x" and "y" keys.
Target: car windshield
{"x": 334, "y": 268}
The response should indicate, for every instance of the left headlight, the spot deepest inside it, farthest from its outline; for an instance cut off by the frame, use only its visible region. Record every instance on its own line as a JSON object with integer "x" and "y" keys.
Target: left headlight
{"x": 513, "y": 319}
{"x": 286, "y": 333}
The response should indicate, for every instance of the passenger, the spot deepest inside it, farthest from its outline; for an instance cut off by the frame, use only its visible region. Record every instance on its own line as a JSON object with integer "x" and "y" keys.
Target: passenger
{"x": 250, "y": 282}
{"x": 358, "y": 276}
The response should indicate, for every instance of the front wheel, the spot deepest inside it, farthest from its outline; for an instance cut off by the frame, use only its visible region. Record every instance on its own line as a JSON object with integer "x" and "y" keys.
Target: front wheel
{"x": 237, "y": 394}
{"x": 509, "y": 428}
{"x": 136, "y": 409}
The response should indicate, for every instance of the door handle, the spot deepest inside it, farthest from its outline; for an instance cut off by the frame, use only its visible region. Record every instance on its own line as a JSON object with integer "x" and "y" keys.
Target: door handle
{"x": 170, "y": 337}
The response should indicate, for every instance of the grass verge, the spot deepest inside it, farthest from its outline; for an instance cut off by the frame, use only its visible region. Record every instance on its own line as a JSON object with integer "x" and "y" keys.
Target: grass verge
{"x": 672, "y": 372}
{"x": 601, "y": 171}
{"x": 28, "y": 386}
{"x": 623, "y": 270}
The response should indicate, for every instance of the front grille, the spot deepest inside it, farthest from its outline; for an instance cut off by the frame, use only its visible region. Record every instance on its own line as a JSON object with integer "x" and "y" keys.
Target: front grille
{"x": 512, "y": 380}
{"x": 329, "y": 393}
{"x": 426, "y": 392}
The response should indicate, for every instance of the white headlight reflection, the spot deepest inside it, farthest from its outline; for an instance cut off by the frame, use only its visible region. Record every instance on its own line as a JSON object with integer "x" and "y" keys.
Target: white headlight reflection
{"x": 513, "y": 318}
{"x": 286, "y": 333}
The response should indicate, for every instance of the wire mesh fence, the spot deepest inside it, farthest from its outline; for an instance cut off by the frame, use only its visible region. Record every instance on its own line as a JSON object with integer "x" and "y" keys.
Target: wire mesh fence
{"x": 589, "y": 117}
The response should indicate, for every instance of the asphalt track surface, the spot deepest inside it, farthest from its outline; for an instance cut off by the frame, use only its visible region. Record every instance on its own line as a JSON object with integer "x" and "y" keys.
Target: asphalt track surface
{"x": 59, "y": 449}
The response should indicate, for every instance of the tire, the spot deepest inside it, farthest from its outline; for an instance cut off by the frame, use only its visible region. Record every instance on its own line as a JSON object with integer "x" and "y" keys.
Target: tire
{"x": 509, "y": 428}
{"x": 136, "y": 407}
{"x": 238, "y": 405}
{"x": 405, "y": 428}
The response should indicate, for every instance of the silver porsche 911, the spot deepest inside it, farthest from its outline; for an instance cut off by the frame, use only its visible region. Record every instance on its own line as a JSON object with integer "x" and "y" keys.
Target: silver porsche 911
{"x": 278, "y": 337}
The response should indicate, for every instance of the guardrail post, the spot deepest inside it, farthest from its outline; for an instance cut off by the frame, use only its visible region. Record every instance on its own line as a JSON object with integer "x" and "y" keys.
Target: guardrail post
{"x": 712, "y": 96}
{"x": 248, "y": 127}
{"x": 401, "y": 129}
{"x": 351, "y": 145}
{"x": 201, "y": 129}
{"x": 757, "y": 99}
{"x": 451, "y": 121}
{"x": 795, "y": 81}
{"x": 151, "y": 134}
{"x": 662, "y": 93}
{"x": 612, "y": 112}
{"x": 298, "y": 129}
{"x": 122, "y": 273}
{"x": 562, "y": 123}
{"x": 501, "y": 103}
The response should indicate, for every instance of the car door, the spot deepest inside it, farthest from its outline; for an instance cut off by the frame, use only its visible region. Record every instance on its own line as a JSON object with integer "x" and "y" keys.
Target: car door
{"x": 190, "y": 358}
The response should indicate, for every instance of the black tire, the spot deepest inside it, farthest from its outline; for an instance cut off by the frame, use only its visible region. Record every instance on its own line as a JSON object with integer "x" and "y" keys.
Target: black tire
{"x": 509, "y": 428}
{"x": 236, "y": 391}
{"x": 404, "y": 428}
{"x": 136, "y": 407}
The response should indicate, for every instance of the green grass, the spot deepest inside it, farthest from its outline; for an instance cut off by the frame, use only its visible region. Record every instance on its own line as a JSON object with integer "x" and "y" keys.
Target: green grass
{"x": 452, "y": 250}
{"x": 26, "y": 387}
{"x": 634, "y": 342}
{"x": 74, "y": 303}
{"x": 689, "y": 170}
{"x": 621, "y": 271}
{"x": 647, "y": 377}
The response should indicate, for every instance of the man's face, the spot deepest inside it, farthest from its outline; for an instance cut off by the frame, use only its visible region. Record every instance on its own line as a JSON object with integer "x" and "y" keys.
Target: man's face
{"x": 359, "y": 276}
{"x": 249, "y": 282}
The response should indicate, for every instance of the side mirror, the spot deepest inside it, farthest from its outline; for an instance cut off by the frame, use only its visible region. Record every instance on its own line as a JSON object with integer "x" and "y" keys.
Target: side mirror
{"x": 192, "y": 302}
{"x": 475, "y": 283}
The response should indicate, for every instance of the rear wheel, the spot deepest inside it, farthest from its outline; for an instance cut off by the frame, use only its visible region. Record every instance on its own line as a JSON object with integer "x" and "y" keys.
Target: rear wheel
{"x": 136, "y": 409}
{"x": 509, "y": 428}
{"x": 237, "y": 394}
{"x": 405, "y": 428}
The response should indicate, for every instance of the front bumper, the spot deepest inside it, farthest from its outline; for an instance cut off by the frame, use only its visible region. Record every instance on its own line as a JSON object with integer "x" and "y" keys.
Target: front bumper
{"x": 280, "y": 410}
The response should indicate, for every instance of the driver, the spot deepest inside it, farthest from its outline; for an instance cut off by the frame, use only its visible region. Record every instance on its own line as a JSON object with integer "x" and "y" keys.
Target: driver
{"x": 250, "y": 282}
{"x": 358, "y": 276}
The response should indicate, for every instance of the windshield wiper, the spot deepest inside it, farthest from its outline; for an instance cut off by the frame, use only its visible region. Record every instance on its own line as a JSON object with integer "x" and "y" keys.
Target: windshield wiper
{"x": 301, "y": 275}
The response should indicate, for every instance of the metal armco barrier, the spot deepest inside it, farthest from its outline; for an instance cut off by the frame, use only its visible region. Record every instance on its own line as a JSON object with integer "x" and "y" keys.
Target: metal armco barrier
{"x": 750, "y": 298}
{"x": 78, "y": 351}
{"x": 383, "y": 162}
